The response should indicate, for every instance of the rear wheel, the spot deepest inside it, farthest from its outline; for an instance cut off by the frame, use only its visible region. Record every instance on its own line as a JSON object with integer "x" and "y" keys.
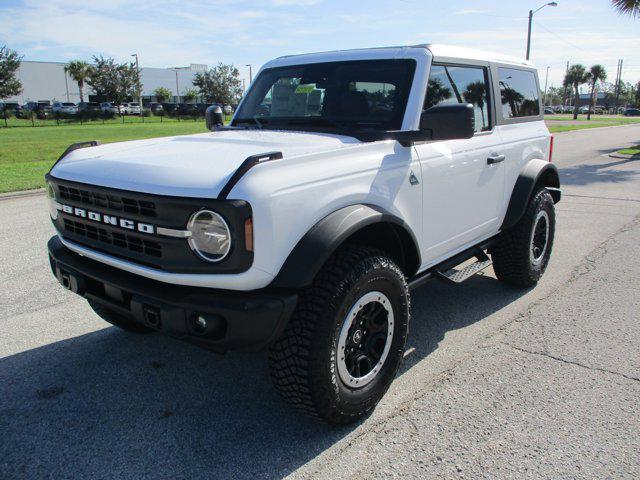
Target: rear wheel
{"x": 118, "y": 320}
{"x": 522, "y": 253}
{"x": 345, "y": 341}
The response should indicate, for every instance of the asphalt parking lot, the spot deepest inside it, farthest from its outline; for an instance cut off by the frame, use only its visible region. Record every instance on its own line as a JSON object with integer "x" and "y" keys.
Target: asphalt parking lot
{"x": 496, "y": 382}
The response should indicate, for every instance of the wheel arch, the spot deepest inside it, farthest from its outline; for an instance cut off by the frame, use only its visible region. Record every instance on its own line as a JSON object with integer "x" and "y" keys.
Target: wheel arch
{"x": 535, "y": 173}
{"x": 362, "y": 224}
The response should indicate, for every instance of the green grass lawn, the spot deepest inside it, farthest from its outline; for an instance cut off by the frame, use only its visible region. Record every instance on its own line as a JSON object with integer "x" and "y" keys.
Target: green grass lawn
{"x": 630, "y": 151}
{"x": 595, "y": 122}
{"x": 27, "y": 153}
{"x": 568, "y": 128}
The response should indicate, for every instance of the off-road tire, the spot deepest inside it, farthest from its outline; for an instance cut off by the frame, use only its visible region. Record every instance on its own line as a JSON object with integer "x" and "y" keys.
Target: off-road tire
{"x": 303, "y": 361}
{"x": 118, "y": 320}
{"x": 511, "y": 255}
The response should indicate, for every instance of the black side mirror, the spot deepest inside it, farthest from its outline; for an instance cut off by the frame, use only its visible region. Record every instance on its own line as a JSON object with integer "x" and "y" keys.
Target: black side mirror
{"x": 214, "y": 117}
{"x": 448, "y": 122}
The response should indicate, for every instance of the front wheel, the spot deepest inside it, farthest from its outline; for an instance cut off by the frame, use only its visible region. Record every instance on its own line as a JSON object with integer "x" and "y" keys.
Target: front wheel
{"x": 522, "y": 253}
{"x": 343, "y": 345}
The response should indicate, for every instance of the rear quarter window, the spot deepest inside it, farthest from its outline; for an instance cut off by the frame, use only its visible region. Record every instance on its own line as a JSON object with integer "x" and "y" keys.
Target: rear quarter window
{"x": 519, "y": 94}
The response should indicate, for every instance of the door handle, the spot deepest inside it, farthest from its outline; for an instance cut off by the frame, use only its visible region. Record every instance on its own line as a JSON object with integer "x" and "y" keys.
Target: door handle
{"x": 491, "y": 159}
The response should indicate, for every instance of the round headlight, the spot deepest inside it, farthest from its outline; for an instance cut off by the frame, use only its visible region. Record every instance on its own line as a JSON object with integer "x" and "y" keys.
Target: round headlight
{"x": 210, "y": 236}
{"x": 51, "y": 197}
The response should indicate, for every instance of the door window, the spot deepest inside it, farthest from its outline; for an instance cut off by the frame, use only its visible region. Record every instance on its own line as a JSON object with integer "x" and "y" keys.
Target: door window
{"x": 460, "y": 84}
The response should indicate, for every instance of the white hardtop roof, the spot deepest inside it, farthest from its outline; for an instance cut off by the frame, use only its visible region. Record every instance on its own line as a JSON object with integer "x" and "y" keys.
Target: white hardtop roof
{"x": 438, "y": 51}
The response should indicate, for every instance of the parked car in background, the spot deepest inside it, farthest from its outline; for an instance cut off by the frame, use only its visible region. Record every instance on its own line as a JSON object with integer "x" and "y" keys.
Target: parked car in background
{"x": 108, "y": 107}
{"x": 8, "y": 108}
{"x": 632, "y": 112}
{"x": 567, "y": 109}
{"x": 155, "y": 108}
{"x": 89, "y": 107}
{"x": 170, "y": 108}
{"x": 549, "y": 111}
{"x": 188, "y": 109}
{"x": 41, "y": 109}
{"x": 130, "y": 108}
{"x": 67, "y": 108}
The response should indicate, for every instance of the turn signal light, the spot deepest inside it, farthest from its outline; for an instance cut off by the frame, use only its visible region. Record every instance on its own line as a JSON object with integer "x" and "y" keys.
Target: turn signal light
{"x": 248, "y": 234}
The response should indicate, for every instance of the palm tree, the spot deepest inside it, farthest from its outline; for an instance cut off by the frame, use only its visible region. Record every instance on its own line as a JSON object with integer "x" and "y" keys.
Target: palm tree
{"x": 79, "y": 70}
{"x": 597, "y": 73}
{"x": 576, "y": 76}
{"x": 436, "y": 93}
{"x": 627, "y": 7}
{"x": 476, "y": 94}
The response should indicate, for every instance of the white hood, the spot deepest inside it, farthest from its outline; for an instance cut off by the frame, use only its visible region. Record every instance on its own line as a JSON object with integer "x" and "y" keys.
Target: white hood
{"x": 189, "y": 165}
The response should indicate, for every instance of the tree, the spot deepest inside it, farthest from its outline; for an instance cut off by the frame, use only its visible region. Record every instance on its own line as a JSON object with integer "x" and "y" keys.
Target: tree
{"x": 190, "y": 95}
{"x": 576, "y": 76}
{"x": 113, "y": 81}
{"x": 9, "y": 64}
{"x": 221, "y": 84}
{"x": 597, "y": 73}
{"x": 79, "y": 71}
{"x": 162, "y": 94}
{"x": 436, "y": 93}
{"x": 476, "y": 94}
{"x": 627, "y": 7}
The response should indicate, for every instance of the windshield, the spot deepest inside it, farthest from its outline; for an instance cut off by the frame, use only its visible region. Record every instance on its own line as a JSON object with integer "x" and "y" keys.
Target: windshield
{"x": 355, "y": 95}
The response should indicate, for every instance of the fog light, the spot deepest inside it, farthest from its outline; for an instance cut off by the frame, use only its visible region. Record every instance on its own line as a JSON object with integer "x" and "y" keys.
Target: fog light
{"x": 200, "y": 324}
{"x": 208, "y": 325}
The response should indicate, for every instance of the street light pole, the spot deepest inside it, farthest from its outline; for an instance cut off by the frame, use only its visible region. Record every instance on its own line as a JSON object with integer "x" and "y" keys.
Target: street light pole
{"x": 139, "y": 85}
{"x": 250, "y": 75}
{"x": 531, "y": 12}
{"x": 177, "y": 88}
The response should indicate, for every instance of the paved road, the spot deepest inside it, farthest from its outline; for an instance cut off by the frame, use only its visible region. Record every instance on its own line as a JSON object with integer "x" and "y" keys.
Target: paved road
{"x": 496, "y": 382}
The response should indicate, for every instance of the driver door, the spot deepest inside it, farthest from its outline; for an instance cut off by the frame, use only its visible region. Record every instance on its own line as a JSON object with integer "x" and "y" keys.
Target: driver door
{"x": 462, "y": 180}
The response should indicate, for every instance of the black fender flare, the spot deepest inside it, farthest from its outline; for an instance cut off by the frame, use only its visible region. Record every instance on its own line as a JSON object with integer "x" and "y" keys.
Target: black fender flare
{"x": 536, "y": 172}
{"x": 321, "y": 241}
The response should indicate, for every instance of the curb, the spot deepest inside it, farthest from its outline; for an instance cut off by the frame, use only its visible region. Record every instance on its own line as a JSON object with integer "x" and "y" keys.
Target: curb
{"x": 23, "y": 193}
{"x": 625, "y": 156}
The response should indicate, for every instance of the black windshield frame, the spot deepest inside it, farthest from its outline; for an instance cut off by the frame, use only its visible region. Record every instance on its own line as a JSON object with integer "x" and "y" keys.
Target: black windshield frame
{"x": 338, "y": 84}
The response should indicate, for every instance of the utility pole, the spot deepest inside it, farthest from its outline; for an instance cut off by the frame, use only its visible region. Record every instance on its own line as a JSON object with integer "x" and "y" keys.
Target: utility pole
{"x": 564, "y": 91}
{"x": 531, "y": 12}
{"x": 546, "y": 79}
{"x": 250, "y": 74}
{"x": 619, "y": 80}
{"x": 139, "y": 84}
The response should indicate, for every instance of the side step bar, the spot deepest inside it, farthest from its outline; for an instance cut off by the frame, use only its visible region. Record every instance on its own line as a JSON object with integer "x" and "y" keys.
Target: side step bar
{"x": 459, "y": 276}
{"x": 446, "y": 270}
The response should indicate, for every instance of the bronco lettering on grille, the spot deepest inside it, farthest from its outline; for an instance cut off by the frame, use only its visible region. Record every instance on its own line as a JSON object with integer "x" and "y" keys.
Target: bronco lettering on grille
{"x": 109, "y": 219}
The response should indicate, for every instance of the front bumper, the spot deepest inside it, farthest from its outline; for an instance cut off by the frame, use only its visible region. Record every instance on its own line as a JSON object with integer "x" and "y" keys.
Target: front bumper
{"x": 240, "y": 320}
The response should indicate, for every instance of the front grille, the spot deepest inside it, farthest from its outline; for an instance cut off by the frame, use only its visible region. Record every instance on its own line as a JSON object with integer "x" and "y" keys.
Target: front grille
{"x": 108, "y": 200}
{"x": 117, "y": 239}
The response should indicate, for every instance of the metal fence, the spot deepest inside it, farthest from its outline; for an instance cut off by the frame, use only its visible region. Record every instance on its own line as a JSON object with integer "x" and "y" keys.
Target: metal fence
{"x": 33, "y": 119}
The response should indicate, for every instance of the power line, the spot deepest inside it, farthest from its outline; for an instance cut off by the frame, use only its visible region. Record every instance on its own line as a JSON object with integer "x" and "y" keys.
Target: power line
{"x": 559, "y": 37}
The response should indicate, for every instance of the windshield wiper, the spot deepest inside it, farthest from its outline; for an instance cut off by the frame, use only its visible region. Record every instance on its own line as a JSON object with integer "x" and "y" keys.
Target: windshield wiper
{"x": 316, "y": 122}
{"x": 251, "y": 121}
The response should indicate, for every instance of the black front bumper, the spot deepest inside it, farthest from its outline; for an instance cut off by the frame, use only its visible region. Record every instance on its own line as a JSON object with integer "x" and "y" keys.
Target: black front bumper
{"x": 242, "y": 320}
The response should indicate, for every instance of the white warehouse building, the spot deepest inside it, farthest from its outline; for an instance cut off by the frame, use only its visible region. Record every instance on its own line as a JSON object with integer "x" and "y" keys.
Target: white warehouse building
{"x": 49, "y": 81}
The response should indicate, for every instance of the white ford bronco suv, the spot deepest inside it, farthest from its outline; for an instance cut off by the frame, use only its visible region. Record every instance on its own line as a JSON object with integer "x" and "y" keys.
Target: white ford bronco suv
{"x": 344, "y": 180}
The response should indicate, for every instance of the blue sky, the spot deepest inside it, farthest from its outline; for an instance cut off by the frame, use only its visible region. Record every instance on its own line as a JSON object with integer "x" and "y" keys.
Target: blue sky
{"x": 169, "y": 33}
